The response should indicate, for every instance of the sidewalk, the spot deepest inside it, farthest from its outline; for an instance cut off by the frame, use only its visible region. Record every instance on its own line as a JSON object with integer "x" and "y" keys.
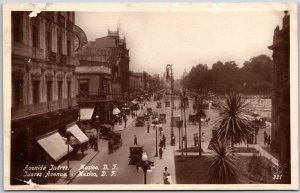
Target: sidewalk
{"x": 75, "y": 164}
{"x": 159, "y": 164}
{"x": 130, "y": 120}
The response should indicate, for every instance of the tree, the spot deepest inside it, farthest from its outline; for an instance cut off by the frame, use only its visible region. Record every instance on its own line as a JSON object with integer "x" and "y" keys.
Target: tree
{"x": 222, "y": 169}
{"x": 233, "y": 125}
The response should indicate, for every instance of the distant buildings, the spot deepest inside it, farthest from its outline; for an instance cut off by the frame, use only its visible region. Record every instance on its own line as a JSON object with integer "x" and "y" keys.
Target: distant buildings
{"x": 281, "y": 96}
{"x": 43, "y": 82}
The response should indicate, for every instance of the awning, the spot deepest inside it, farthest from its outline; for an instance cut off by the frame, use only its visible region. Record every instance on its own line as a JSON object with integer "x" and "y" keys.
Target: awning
{"x": 107, "y": 126}
{"x": 86, "y": 114}
{"x": 116, "y": 111}
{"x": 55, "y": 146}
{"x": 134, "y": 102}
{"x": 77, "y": 133}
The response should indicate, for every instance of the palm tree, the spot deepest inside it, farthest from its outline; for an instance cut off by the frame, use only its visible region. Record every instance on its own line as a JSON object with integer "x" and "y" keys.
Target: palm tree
{"x": 233, "y": 126}
{"x": 222, "y": 169}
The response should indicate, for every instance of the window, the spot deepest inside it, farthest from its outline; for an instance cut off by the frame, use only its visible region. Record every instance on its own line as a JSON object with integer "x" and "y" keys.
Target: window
{"x": 17, "y": 28}
{"x": 69, "y": 84}
{"x": 35, "y": 91}
{"x": 35, "y": 36}
{"x": 83, "y": 86}
{"x": 60, "y": 89}
{"x": 69, "y": 48}
{"x": 18, "y": 92}
{"x": 49, "y": 90}
{"x": 48, "y": 41}
{"x": 59, "y": 45}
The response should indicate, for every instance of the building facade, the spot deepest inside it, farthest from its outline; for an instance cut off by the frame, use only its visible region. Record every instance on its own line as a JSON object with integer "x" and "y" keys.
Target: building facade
{"x": 43, "y": 97}
{"x": 93, "y": 88}
{"x": 280, "y": 133}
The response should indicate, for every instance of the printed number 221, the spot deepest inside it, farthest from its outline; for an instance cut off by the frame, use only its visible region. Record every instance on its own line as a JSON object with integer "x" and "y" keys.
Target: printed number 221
{"x": 277, "y": 177}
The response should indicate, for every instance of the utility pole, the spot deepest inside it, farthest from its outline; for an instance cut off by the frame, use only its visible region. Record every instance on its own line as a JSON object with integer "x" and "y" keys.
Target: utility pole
{"x": 199, "y": 139}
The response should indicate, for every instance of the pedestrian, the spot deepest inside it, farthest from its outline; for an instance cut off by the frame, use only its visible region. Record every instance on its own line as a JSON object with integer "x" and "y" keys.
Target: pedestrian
{"x": 125, "y": 121}
{"x": 161, "y": 143}
{"x": 195, "y": 139}
{"x": 160, "y": 153}
{"x": 265, "y": 137}
{"x": 164, "y": 141}
{"x": 165, "y": 176}
{"x": 202, "y": 136}
{"x": 90, "y": 141}
{"x": 148, "y": 126}
{"x": 173, "y": 140}
{"x": 135, "y": 140}
{"x": 160, "y": 130}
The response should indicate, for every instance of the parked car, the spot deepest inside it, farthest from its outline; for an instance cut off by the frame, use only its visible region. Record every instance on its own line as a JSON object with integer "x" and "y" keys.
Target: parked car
{"x": 162, "y": 118}
{"x": 140, "y": 121}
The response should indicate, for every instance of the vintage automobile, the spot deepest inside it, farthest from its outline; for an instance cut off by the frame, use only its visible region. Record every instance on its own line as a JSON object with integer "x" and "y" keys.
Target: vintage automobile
{"x": 149, "y": 111}
{"x": 105, "y": 131}
{"x": 114, "y": 142}
{"x": 158, "y": 105}
{"x": 140, "y": 121}
{"x": 162, "y": 118}
{"x": 135, "y": 155}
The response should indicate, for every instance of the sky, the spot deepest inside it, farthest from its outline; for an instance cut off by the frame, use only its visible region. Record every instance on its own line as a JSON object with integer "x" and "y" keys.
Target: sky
{"x": 185, "y": 39}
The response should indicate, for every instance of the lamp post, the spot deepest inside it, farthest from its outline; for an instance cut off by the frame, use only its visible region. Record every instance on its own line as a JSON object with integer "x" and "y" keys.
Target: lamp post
{"x": 169, "y": 70}
{"x": 146, "y": 165}
{"x": 199, "y": 120}
{"x": 155, "y": 122}
{"x": 184, "y": 100}
{"x": 97, "y": 129}
{"x": 179, "y": 126}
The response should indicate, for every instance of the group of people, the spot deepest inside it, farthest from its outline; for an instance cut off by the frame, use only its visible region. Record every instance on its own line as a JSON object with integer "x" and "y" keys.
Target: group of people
{"x": 267, "y": 139}
{"x": 196, "y": 138}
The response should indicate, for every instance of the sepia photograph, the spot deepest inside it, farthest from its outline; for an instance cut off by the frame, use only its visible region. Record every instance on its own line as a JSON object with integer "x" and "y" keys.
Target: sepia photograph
{"x": 139, "y": 96}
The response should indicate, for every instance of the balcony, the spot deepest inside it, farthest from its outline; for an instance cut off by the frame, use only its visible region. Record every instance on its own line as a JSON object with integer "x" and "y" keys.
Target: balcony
{"x": 27, "y": 51}
{"x": 93, "y": 97}
{"x": 62, "y": 59}
{"x": 51, "y": 56}
{"x": 40, "y": 108}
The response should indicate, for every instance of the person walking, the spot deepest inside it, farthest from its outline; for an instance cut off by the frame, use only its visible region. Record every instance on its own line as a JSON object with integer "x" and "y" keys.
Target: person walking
{"x": 165, "y": 176}
{"x": 135, "y": 140}
{"x": 161, "y": 143}
{"x": 148, "y": 127}
{"x": 195, "y": 139}
{"x": 164, "y": 140}
{"x": 160, "y": 153}
{"x": 202, "y": 136}
{"x": 125, "y": 121}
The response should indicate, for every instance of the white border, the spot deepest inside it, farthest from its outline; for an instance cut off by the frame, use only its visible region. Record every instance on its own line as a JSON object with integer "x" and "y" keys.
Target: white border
{"x": 154, "y": 7}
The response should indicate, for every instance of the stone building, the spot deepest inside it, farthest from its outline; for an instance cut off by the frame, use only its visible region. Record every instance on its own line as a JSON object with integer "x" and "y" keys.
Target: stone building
{"x": 280, "y": 133}
{"x": 43, "y": 97}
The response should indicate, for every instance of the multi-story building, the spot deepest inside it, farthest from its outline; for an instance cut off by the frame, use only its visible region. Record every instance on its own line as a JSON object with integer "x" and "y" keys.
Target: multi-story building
{"x": 281, "y": 96}
{"x": 93, "y": 88}
{"x": 43, "y": 97}
{"x": 112, "y": 51}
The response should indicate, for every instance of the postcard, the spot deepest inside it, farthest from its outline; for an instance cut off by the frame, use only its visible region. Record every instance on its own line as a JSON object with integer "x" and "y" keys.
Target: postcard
{"x": 150, "y": 96}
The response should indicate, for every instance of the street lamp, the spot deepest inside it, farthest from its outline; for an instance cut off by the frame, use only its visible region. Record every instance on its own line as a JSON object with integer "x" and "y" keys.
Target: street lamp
{"x": 155, "y": 122}
{"x": 199, "y": 120}
{"x": 97, "y": 129}
{"x": 146, "y": 165}
{"x": 179, "y": 126}
{"x": 169, "y": 71}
